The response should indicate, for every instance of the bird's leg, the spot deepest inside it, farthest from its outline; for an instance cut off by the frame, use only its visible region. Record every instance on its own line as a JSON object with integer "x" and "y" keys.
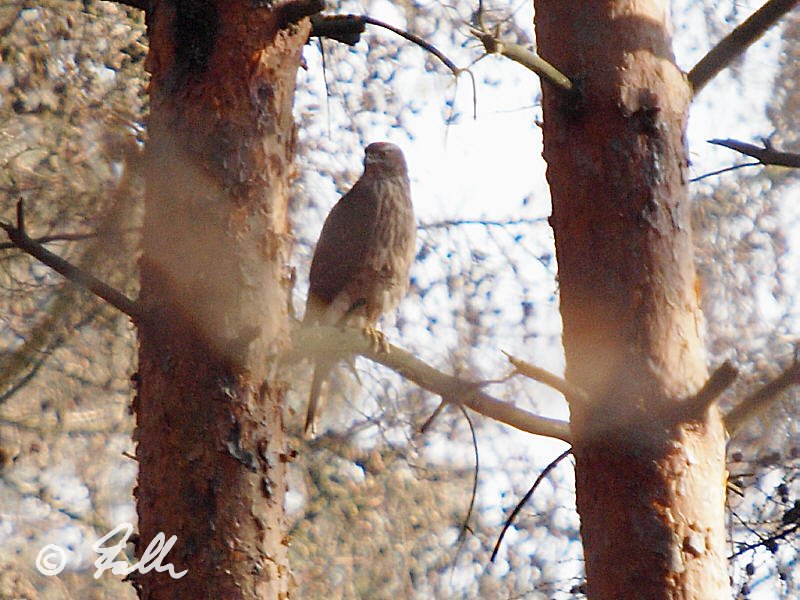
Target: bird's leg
{"x": 377, "y": 339}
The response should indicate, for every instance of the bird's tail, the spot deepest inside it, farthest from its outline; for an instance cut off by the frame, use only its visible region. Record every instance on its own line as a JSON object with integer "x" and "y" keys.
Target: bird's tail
{"x": 316, "y": 396}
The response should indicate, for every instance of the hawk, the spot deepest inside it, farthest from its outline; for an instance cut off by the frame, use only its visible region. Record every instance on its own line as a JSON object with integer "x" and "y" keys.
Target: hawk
{"x": 360, "y": 266}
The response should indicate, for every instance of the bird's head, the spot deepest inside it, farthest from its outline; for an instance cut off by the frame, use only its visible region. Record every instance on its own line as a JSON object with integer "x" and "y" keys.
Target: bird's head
{"x": 385, "y": 159}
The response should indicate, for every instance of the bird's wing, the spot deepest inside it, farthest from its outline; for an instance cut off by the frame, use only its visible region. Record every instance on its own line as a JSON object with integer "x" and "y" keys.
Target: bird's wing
{"x": 342, "y": 244}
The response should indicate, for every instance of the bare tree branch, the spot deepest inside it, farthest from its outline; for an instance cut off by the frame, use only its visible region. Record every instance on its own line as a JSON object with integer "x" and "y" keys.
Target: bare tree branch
{"x": 20, "y": 239}
{"x": 719, "y": 381}
{"x": 308, "y": 341}
{"x": 444, "y": 224}
{"x": 348, "y": 28}
{"x": 462, "y": 536}
{"x": 527, "y": 497}
{"x": 737, "y": 41}
{"x": 529, "y": 60}
{"x": 68, "y": 237}
{"x": 721, "y": 171}
{"x": 429, "y": 421}
{"x": 570, "y": 391}
{"x": 345, "y": 29}
{"x": 761, "y": 399}
{"x": 766, "y": 155}
{"x": 770, "y": 542}
{"x": 295, "y": 11}
{"x": 415, "y": 39}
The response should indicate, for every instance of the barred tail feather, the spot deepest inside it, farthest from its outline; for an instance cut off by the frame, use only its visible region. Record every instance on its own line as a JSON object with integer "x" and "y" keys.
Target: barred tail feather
{"x": 315, "y": 397}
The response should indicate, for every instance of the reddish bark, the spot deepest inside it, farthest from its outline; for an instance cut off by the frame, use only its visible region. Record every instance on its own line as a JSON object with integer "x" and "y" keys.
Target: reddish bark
{"x": 214, "y": 287}
{"x": 650, "y": 485}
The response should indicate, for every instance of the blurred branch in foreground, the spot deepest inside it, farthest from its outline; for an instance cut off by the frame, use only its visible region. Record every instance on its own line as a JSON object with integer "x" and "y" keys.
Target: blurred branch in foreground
{"x": 19, "y": 237}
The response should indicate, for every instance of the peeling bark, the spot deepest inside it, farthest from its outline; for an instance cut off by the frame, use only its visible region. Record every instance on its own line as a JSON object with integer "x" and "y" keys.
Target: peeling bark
{"x": 650, "y": 484}
{"x": 214, "y": 285}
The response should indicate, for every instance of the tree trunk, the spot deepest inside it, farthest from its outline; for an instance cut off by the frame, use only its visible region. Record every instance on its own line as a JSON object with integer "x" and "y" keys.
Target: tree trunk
{"x": 214, "y": 284}
{"x": 650, "y": 476}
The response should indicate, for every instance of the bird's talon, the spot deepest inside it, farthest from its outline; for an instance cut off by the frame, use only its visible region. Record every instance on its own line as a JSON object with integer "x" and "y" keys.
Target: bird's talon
{"x": 378, "y": 341}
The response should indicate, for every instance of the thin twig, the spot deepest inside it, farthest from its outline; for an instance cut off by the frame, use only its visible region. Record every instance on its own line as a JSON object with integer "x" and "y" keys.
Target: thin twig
{"x": 525, "y": 499}
{"x": 68, "y": 237}
{"x": 327, "y": 87}
{"x": 570, "y": 391}
{"x": 333, "y": 26}
{"x": 766, "y": 542}
{"x": 347, "y": 29}
{"x": 347, "y": 341}
{"x": 766, "y": 155}
{"x": 429, "y": 421}
{"x": 761, "y": 399}
{"x": 737, "y": 41}
{"x": 415, "y": 39}
{"x": 484, "y": 222}
{"x": 474, "y": 494}
{"x": 20, "y": 239}
{"x": 721, "y": 171}
{"x": 462, "y": 536}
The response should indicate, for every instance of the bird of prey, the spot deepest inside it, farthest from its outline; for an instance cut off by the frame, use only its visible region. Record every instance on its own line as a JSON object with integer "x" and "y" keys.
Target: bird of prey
{"x": 360, "y": 266}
